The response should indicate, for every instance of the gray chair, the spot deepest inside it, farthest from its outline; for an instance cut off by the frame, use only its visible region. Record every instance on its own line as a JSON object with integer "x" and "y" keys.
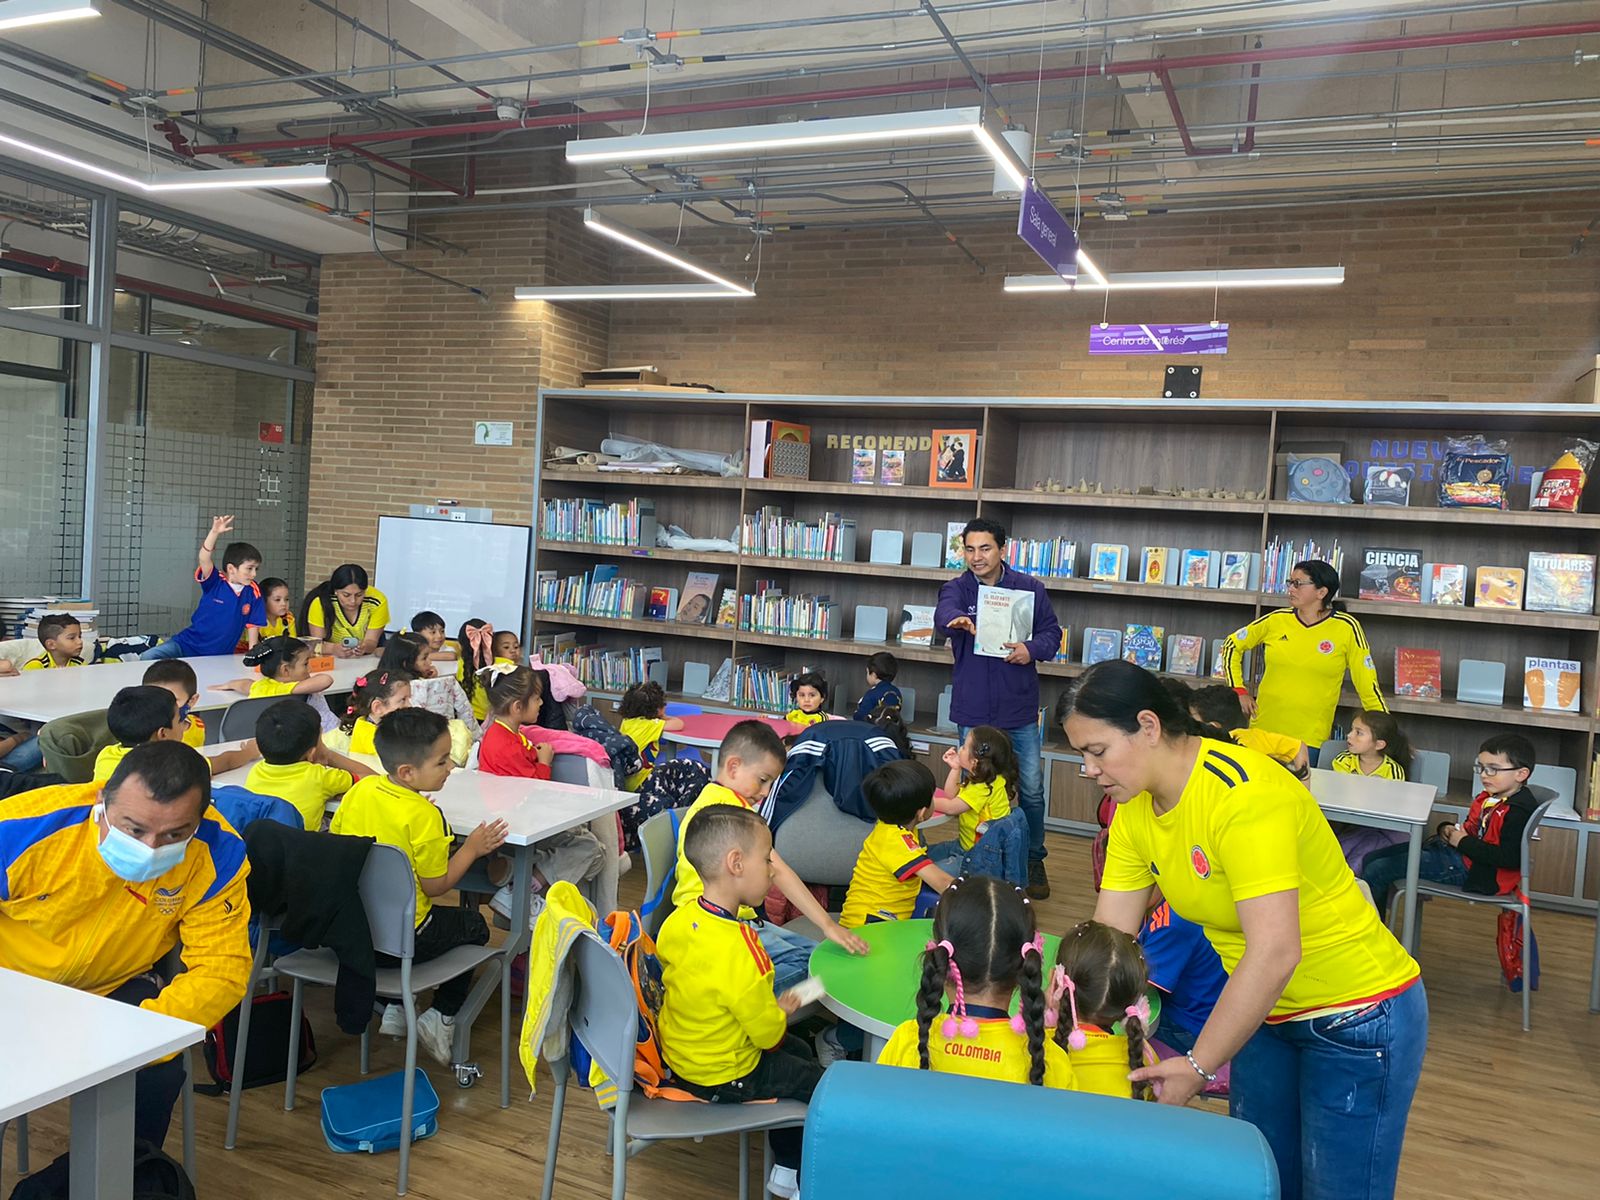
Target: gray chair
{"x": 267, "y": 927}
{"x": 605, "y": 1017}
{"x": 1431, "y": 767}
{"x": 1515, "y": 902}
{"x": 239, "y": 718}
{"x": 820, "y": 842}
{"x": 660, "y": 847}
{"x": 389, "y": 894}
{"x": 1327, "y": 750}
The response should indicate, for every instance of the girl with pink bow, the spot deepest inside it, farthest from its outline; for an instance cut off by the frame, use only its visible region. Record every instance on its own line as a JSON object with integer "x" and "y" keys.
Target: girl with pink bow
{"x": 1097, "y": 1004}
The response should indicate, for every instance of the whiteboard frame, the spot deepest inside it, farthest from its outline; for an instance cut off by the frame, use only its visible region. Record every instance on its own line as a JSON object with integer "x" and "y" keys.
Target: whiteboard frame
{"x": 524, "y": 606}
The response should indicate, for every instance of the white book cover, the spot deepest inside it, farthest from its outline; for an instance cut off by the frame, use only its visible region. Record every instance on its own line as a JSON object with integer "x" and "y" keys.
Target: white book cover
{"x": 1552, "y": 684}
{"x": 1004, "y": 615}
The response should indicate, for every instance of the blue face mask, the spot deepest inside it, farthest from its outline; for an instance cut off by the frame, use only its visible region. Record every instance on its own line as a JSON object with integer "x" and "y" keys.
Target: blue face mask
{"x": 130, "y": 859}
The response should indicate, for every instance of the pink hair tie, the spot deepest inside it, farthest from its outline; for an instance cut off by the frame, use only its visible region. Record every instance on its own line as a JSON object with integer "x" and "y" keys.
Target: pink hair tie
{"x": 1061, "y": 982}
{"x": 957, "y": 1023}
{"x": 361, "y": 682}
{"x": 1139, "y": 1008}
{"x": 1036, "y": 945}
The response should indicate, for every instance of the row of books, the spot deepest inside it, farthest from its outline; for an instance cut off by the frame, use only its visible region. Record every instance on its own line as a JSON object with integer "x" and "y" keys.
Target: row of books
{"x": 600, "y": 592}
{"x": 769, "y": 532}
{"x": 760, "y": 686}
{"x": 1234, "y": 570}
{"x": 1548, "y": 684}
{"x": 1044, "y": 557}
{"x": 1151, "y": 647}
{"x": 1551, "y": 582}
{"x": 620, "y": 523}
{"x": 770, "y": 610}
{"x": 616, "y": 670}
{"x": 1281, "y": 554}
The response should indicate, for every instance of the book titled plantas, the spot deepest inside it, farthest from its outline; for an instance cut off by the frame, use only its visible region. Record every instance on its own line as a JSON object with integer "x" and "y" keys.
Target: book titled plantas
{"x": 1418, "y": 673}
{"x": 1141, "y": 645}
{"x": 1499, "y": 587}
{"x": 1551, "y": 684}
{"x": 1444, "y": 583}
{"x": 1560, "y": 582}
{"x": 1391, "y": 573}
{"x": 1101, "y": 645}
{"x": 916, "y": 625}
{"x": 1005, "y": 617}
{"x": 1184, "y": 653}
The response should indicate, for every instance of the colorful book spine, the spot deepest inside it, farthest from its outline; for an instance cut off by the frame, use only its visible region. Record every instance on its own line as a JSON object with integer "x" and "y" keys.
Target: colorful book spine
{"x": 802, "y": 616}
{"x": 1277, "y": 562}
{"x": 597, "y": 522}
{"x": 768, "y": 532}
{"x": 582, "y": 595}
{"x": 761, "y": 687}
{"x": 1057, "y": 556}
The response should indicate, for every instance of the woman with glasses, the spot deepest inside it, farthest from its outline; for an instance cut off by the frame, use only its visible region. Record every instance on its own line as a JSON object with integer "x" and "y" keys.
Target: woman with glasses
{"x": 1308, "y": 648}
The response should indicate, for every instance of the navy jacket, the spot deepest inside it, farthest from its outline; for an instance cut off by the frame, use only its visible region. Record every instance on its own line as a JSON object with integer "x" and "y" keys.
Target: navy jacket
{"x": 991, "y": 691}
{"x": 845, "y": 753}
{"x": 876, "y": 695}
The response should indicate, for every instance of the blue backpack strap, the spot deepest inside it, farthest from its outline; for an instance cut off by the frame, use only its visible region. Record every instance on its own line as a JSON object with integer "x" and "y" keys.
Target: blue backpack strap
{"x": 653, "y": 902}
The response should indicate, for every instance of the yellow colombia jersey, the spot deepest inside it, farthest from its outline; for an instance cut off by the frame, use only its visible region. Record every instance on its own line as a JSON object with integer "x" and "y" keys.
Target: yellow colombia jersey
{"x": 371, "y": 615}
{"x": 45, "y": 663}
{"x": 796, "y": 717}
{"x": 1264, "y": 741}
{"x": 1102, "y": 1067}
{"x": 719, "y": 1012}
{"x": 1243, "y": 828}
{"x": 271, "y": 687}
{"x": 689, "y": 886}
{"x": 306, "y": 787}
{"x": 283, "y": 626}
{"x": 886, "y": 878}
{"x": 998, "y": 1052}
{"x": 105, "y": 763}
{"x": 1349, "y": 763}
{"x": 376, "y": 807}
{"x": 985, "y": 802}
{"x": 65, "y": 917}
{"x": 194, "y": 733}
{"x": 1304, "y": 671}
{"x": 645, "y": 733}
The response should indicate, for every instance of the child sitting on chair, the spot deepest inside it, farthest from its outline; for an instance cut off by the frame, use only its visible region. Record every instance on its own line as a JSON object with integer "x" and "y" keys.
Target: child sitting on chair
{"x": 1098, "y": 984}
{"x": 143, "y": 714}
{"x": 983, "y": 778}
{"x": 808, "y": 693}
{"x": 296, "y": 767}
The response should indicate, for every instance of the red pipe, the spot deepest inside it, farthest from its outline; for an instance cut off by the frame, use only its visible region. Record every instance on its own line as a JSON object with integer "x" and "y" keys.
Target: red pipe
{"x": 1244, "y": 147}
{"x": 1132, "y": 67}
{"x": 419, "y": 176}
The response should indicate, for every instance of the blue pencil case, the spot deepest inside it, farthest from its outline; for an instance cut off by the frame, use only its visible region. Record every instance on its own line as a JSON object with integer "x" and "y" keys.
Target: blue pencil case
{"x": 365, "y": 1117}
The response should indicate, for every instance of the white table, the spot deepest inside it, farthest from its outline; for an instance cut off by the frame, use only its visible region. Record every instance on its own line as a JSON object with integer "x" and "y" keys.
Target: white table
{"x": 45, "y": 695}
{"x": 57, "y": 1042}
{"x": 1382, "y": 804}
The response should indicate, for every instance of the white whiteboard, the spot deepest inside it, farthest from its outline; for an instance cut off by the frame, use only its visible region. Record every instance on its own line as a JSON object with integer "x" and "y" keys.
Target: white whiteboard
{"x": 459, "y": 569}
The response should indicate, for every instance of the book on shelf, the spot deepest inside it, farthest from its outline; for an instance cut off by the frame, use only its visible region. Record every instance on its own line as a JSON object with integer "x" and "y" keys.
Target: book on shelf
{"x": 728, "y": 608}
{"x": 863, "y": 466}
{"x": 1159, "y": 564}
{"x": 1282, "y": 554}
{"x": 1240, "y": 571}
{"x": 770, "y": 533}
{"x": 1444, "y": 583}
{"x": 699, "y": 597}
{"x": 756, "y": 454}
{"x": 1219, "y": 649}
{"x": 892, "y": 468}
{"x": 1064, "y": 651}
{"x": 619, "y": 523}
{"x": 1552, "y": 684}
{"x": 599, "y": 593}
{"x": 1560, "y": 582}
{"x": 758, "y": 685}
{"x": 1184, "y": 653}
{"x": 1199, "y": 568}
{"x": 1005, "y": 616}
{"x": 955, "y": 557}
{"x": 1108, "y": 562}
{"x": 1101, "y": 645}
{"x": 1418, "y": 673}
{"x": 1141, "y": 645}
{"x": 916, "y": 625}
{"x": 663, "y": 603}
{"x": 1499, "y": 587}
{"x": 721, "y": 685}
{"x": 1055, "y": 557}
{"x": 1391, "y": 573}
{"x": 769, "y": 610}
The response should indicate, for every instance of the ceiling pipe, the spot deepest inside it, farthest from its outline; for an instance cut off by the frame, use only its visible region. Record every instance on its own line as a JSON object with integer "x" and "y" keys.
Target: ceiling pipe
{"x": 911, "y": 87}
{"x": 420, "y": 176}
{"x": 1239, "y": 147}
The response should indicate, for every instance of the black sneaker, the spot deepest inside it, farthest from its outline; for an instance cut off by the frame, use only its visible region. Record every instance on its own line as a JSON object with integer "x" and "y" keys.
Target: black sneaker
{"x": 1038, "y": 881}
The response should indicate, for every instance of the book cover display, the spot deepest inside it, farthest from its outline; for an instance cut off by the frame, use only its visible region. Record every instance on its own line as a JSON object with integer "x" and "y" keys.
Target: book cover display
{"x": 699, "y": 592}
{"x": 728, "y": 608}
{"x": 955, "y": 558}
{"x": 1005, "y": 615}
{"x": 953, "y": 463}
{"x": 1445, "y": 584}
{"x": 1418, "y": 673}
{"x": 1101, "y": 645}
{"x": 1199, "y": 568}
{"x": 1388, "y": 573}
{"x": 1108, "y": 562}
{"x": 1551, "y": 684}
{"x": 662, "y": 604}
{"x": 1141, "y": 645}
{"x": 1159, "y": 564}
{"x": 1184, "y": 653}
{"x": 893, "y": 468}
{"x": 1241, "y": 571}
{"x": 916, "y": 625}
{"x": 1560, "y": 583}
{"x": 1499, "y": 587}
{"x": 863, "y": 466}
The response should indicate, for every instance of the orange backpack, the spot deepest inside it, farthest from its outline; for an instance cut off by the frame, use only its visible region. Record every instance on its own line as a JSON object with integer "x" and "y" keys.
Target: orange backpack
{"x": 637, "y": 949}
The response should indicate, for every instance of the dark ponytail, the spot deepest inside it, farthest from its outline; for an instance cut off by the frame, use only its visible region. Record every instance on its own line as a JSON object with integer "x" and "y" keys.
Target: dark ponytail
{"x": 343, "y": 576}
{"x": 996, "y": 759}
{"x": 1134, "y": 1028}
{"x": 1030, "y": 986}
{"x": 930, "y": 996}
{"x": 1322, "y": 575}
{"x": 1116, "y": 692}
{"x": 274, "y": 653}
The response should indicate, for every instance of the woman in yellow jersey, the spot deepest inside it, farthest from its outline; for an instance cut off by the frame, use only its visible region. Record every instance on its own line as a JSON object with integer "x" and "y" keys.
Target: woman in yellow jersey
{"x": 1308, "y": 647}
{"x": 1324, "y": 1016}
{"x": 345, "y": 612}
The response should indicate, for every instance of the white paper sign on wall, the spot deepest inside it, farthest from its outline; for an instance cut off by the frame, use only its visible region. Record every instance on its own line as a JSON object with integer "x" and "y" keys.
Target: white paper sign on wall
{"x": 491, "y": 433}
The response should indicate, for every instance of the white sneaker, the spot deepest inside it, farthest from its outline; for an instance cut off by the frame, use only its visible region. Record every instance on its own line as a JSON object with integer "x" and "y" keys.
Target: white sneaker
{"x": 829, "y": 1048}
{"x": 535, "y": 907}
{"x": 394, "y": 1021}
{"x": 784, "y": 1182}
{"x": 436, "y": 1033}
{"x": 624, "y": 863}
{"x": 500, "y": 902}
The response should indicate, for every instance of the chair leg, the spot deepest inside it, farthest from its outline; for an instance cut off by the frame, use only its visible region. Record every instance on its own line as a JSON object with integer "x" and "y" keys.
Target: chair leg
{"x": 236, "y": 1088}
{"x": 744, "y": 1166}
{"x": 505, "y": 1031}
{"x": 1527, "y": 964}
{"x": 22, "y": 1144}
{"x": 296, "y": 1003}
{"x": 408, "y": 1089}
{"x": 619, "y": 1148}
{"x": 188, "y": 1117}
{"x": 366, "y": 1048}
{"x": 766, "y": 1164}
{"x": 558, "y": 1104}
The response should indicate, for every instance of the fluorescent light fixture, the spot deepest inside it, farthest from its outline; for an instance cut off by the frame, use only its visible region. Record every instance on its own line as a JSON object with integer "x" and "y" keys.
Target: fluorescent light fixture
{"x": 19, "y": 14}
{"x": 631, "y": 291}
{"x": 1161, "y": 281}
{"x": 1094, "y": 273}
{"x": 649, "y": 245}
{"x": 308, "y": 175}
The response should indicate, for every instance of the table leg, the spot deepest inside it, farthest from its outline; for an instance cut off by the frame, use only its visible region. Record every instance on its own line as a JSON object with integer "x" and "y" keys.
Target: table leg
{"x": 1594, "y": 970}
{"x": 871, "y": 1046}
{"x": 1408, "y": 930}
{"x": 601, "y": 891}
{"x": 102, "y": 1141}
{"x": 516, "y": 942}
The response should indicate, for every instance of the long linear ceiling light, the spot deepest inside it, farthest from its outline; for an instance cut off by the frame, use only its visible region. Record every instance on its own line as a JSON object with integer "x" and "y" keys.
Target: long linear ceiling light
{"x": 717, "y": 287}
{"x": 19, "y": 14}
{"x": 1160, "y": 281}
{"x": 307, "y": 175}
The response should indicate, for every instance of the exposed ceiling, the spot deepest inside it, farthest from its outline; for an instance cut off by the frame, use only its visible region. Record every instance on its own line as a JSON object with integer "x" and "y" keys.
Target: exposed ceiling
{"x": 1138, "y": 107}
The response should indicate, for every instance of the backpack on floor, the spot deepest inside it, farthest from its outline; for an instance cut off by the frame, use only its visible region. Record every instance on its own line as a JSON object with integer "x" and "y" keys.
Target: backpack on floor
{"x": 1508, "y": 941}
{"x": 266, "y": 1060}
{"x": 637, "y": 949}
{"x": 156, "y": 1176}
{"x": 364, "y": 1117}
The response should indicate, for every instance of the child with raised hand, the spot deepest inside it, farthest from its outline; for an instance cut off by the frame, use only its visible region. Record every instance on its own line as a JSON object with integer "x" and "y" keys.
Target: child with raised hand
{"x": 1217, "y": 705}
{"x": 985, "y": 949}
{"x": 644, "y": 720}
{"x": 392, "y": 808}
{"x": 373, "y": 697}
{"x": 881, "y": 670}
{"x": 723, "y": 1032}
{"x": 1376, "y": 748}
{"x": 230, "y": 602}
{"x": 178, "y": 677}
{"x": 1098, "y": 983}
{"x": 476, "y": 640}
{"x": 62, "y": 637}
{"x": 808, "y": 692}
{"x": 137, "y": 715}
{"x": 983, "y": 778}
{"x": 296, "y": 767}
{"x": 750, "y": 758}
{"x": 412, "y": 654}
{"x": 279, "y": 613}
{"x": 515, "y": 697}
{"x": 429, "y": 626}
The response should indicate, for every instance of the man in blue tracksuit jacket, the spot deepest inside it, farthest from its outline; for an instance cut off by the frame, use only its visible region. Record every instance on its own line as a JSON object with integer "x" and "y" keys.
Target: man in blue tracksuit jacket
{"x": 1003, "y": 692}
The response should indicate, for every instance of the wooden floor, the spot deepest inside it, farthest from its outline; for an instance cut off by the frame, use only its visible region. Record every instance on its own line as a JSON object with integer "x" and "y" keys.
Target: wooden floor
{"x": 1499, "y": 1112}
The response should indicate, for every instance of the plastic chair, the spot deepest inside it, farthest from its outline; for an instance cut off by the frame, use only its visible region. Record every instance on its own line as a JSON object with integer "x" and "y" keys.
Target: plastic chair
{"x": 239, "y": 718}
{"x": 660, "y": 847}
{"x": 389, "y": 894}
{"x": 1327, "y": 750}
{"x": 266, "y": 927}
{"x": 1516, "y": 901}
{"x": 71, "y": 743}
{"x": 605, "y": 1017}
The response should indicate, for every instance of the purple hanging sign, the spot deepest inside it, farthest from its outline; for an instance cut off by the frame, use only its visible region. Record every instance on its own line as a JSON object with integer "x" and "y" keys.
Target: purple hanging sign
{"x": 1041, "y": 225}
{"x": 1158, "y": 339}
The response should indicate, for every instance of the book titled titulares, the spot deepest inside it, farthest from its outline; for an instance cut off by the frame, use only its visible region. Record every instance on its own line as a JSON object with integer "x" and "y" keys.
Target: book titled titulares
{"x": 1388, "y": 573}
{"x": 1005, "y": 616}
{"x": 916, "y": 625}
{"x": 1418, "y": 673}
{"x": 1552, "y": 684}
{"x": 1560, "y": 582}
{"x": 1141, "y": 645}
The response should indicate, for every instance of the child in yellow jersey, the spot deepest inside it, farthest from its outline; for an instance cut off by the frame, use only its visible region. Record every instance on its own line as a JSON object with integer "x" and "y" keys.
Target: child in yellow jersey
{"x": 414, "y": 747}
{"x": 893, "y": 866}
{"x": 285, "y": 665}
{"x": 986, "y": 949}
{"x": 1376, "y": 747}
{"x": 62, "y": 638}
{"x": 295, "y": 766}
{"x": 1218, "y": 705}
{"x": 983, "y": 777}
{"x": 178, "y": 678}
{"x": 724, "y": 1034}
{"x": 280, "y": 616}
{"x": 750, "y": 758}
{"x": 808, "y": 693}
{"x": 644, "y": 720}
{"x": 143, "y": 714}
{"x": 374, "y": 697}
{"x": 1096, "y": 1001}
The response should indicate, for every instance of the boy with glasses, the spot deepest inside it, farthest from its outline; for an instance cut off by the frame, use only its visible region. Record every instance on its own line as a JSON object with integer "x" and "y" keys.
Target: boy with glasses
{"x": 1483, "y": 854}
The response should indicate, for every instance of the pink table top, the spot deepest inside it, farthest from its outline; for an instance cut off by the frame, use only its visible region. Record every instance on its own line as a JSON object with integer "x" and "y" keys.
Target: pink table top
{"x": 711, "y": 728}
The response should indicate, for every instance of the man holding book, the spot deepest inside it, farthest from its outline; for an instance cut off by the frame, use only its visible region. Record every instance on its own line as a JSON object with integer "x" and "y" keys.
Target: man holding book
{"x": 1001, "y": 691}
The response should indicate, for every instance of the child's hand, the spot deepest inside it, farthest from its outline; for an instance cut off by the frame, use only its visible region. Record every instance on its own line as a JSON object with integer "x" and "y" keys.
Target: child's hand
{"x": 487, "y": 838}
{"x": 841, "y": 936}
{"x": 248, "y": 746}
{"x": 221, "y": 525}
{"x": 546, "y": 752}
{"x": 790, "y": 1002}
{"x": 952, "y": 757}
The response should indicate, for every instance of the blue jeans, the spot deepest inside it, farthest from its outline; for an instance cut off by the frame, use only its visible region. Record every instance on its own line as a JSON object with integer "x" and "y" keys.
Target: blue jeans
{"x": 26, "y": 758}
{"x": 1331, "y": 1095}
{"x": 790, "y": 954}
{"x": 1025, "y": 745}
{"x": 167, "y": 649}
{"x": 1386, "y": 867}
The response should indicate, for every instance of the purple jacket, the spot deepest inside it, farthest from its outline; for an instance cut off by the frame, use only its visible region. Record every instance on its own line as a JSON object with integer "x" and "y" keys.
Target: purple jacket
{"x": 991, "y": 691}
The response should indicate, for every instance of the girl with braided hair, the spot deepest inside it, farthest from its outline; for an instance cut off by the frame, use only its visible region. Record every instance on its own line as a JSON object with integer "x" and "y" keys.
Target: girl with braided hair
{"x": 986, "y": 948}
{"x": 1100, "y": 974}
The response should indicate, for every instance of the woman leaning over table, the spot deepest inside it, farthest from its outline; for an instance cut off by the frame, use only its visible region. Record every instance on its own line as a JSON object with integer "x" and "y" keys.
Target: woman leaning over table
{"x": 359, "y": 613}
{"x": 1308, "y": 647}
{"x": 1324, "y": 1016}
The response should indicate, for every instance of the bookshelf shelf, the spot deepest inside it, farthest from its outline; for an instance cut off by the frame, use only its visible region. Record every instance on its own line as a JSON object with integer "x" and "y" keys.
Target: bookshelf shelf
{"x": 717, "y": 633}
{"x": 639, "y": 479}
{"x": 1421, "y": 515}
{"x": 886, "y": 570}
{"x": 1505, "y": 714}
{"x": 845, "y": 646}
{"x": 596, "y": 550}
{"x": 1478, "y": 616}
{"x": 1155, "y": 591}
{"x": 873, "y": 491}
{"x": 1172, "y": 505}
